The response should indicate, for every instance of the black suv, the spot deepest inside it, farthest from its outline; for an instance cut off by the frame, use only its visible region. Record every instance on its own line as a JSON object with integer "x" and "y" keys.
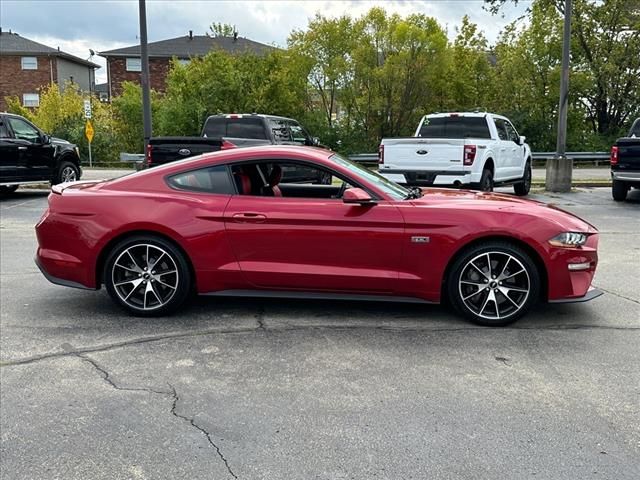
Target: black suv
{"x": 28, "y": 155}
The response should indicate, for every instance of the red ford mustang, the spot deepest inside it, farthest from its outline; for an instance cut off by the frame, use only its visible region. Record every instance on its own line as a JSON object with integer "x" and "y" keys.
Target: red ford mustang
{"x": 256, "y": 222}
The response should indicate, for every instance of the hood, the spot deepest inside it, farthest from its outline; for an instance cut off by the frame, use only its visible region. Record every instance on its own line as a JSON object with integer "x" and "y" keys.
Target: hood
{"x": 497, "y": 202}
{"x": 60, "y": 141}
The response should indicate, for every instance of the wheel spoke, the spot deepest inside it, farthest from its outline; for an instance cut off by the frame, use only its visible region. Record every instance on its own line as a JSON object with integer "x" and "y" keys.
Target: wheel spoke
{"x": 127, "y": 268}
{"x": 513, "y": 274}
{"x": 134, "y": 260}
{"x": 489, "y": 265}
{"x": 135, "y": 282}
{"x": 504, "y": 267}
{"x": 165, "y": 273}
{"x": 509, "y": 298}
{"x": 165, "y": 284}
{"x": 479, "y": 270}
{"x": 156, "y": 262}
{"x": 515, "y": 289}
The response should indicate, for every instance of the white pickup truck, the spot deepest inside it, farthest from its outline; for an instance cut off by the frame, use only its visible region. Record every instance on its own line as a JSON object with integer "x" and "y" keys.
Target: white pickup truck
{"x": 473, "y": 150}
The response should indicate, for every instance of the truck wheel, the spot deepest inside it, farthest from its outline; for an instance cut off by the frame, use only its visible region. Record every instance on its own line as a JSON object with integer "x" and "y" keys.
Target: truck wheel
{"x": 521, "y": 189}
{"x": 67, "y": 172}
{"x": 619, "y": 190}
{"x": 486, "y": 181}
{"x": 4, "y": 189}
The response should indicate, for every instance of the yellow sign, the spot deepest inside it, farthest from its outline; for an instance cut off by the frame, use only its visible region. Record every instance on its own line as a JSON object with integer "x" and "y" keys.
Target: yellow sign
{"x": 88, "y": 131}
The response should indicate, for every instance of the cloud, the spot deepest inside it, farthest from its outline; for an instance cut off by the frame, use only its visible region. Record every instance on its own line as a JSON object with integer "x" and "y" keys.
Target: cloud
{"x": 77, "y": 26}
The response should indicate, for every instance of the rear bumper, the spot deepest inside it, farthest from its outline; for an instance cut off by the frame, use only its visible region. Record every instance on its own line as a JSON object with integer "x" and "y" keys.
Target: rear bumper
{"x": 429, "y": 178}
{"x": 57, "y": 280}
{"x": 632, "y": 177}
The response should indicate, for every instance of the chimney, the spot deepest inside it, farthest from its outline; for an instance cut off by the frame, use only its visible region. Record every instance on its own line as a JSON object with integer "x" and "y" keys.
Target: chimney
{"x": 190, "y": 34}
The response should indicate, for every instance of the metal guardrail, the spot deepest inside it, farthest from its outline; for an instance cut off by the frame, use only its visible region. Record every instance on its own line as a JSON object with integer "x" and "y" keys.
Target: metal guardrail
{"x": 372, "y": 158}
{"x": 577, "y": 157}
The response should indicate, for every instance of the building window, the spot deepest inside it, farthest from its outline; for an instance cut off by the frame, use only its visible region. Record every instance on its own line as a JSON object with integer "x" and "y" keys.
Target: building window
{"x": 30, "y": 100}
{"x": 29, "y": 63}
{"x": 134, "y": 65}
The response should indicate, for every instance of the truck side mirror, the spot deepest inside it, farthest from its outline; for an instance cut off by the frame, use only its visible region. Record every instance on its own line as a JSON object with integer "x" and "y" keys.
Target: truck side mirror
{"x": 45, "y": 139}
{"x": 522, "y": 139}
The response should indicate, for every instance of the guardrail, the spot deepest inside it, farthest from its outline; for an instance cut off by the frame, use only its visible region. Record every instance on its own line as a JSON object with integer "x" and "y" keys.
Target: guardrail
{"x": 372, "y": 158}
{"x": 577, "y": 157}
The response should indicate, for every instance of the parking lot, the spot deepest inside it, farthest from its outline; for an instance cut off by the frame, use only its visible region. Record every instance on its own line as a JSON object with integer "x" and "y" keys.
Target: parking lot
{"x": 282, "y": 389}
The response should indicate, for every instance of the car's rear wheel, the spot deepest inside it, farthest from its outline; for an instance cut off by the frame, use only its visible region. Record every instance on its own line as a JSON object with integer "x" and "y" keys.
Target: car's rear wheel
{"x": 493, "y": 284}
{"x": 619, "y": 190}
{"x": 67, "y": 172}
{"x": 147, "y": 276}
{"x": 486, "y": 181}
{"x": 522, "y": 188}
{"x": 8, "y": 188}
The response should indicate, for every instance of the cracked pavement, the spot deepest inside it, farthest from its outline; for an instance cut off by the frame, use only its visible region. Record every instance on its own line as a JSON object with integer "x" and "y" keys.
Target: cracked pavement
{"x": 263, "y": 389}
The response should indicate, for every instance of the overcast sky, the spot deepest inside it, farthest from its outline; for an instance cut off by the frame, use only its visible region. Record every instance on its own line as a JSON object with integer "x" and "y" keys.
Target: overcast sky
{"x": 79, "y": 25}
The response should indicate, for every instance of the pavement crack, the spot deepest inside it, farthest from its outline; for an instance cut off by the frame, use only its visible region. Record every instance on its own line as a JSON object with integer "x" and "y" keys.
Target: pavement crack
{"x": 193, "y": 423}
{"x": 293, "y": 328}
{"x": 619, "y": 296}
{"x": 107, "y": 377}
{"x": 259, "y": 316}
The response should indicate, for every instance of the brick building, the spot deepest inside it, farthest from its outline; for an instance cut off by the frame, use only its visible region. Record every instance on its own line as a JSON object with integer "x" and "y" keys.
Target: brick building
{"x": 123, "y": 64}
{"x": 27, "y": 66}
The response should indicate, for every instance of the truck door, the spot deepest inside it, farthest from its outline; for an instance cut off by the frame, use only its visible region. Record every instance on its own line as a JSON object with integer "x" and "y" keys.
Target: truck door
{"x": 9, "y": 165}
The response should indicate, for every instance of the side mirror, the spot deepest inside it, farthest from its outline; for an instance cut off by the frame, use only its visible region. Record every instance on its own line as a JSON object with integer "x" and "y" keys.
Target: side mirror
{"x": 315, "y": 141}
{"x": 45, "y": 139}
{"x": 357, "y": 195}
{"x": 522, "y": 139}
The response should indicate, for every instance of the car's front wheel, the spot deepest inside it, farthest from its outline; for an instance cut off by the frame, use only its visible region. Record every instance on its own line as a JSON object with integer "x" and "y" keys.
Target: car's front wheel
{"x": 493, "y": 284}
{"x": 522, "y": 188}
{"x": 147, "y": 276}
{"x": 67, "y": 172}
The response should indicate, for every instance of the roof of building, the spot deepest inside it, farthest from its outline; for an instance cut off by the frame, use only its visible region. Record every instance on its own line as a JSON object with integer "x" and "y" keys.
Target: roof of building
{"x": 14, "y": 44}
{"x": 193, "y": 46}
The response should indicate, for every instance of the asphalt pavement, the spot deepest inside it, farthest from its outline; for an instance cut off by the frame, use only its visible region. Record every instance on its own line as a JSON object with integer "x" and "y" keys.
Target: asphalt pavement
{"x": 281, "y": 389}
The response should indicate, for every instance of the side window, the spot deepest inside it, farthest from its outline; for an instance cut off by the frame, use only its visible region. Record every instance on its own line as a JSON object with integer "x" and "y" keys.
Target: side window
{"x": 281, "y": 131}
{"x": 215, "y": 127}
{"x": 511, "y": 131}
{"x": 209, "y": 180}
{"x": 287, "y": 179}
{"x": 502, "y": 132}
{"x": 23, "y": 130}
{"x": 298, "y": 134}
{"x": 4, "y": 131}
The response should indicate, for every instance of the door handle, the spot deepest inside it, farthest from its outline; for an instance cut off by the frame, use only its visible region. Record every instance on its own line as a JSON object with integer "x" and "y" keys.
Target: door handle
{"x": 249, "y": 217}
{"x": 22, "y": 148}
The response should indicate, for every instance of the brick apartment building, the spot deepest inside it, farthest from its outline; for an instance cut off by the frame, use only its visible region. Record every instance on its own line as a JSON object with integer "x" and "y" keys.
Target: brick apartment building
{"x": 123, "y": 64}
{"x": 27, "y": 66}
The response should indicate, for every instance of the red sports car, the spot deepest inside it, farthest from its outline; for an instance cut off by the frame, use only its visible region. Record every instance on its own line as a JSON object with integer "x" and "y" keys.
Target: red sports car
{"x": 226, "y": 224}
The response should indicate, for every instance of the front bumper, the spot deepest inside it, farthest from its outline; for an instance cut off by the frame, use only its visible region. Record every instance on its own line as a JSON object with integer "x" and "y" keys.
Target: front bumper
{"x": 590, "y": 295}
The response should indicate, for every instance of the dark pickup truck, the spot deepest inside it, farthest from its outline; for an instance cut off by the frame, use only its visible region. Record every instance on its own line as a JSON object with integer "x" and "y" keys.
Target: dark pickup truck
{"x": 28, "y": 155}
{"x": 229, "y": 131}
{"x": 625, "y": 163}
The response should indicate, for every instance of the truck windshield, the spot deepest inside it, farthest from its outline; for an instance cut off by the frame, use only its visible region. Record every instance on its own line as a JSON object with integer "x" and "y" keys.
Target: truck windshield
{"x": 454, "y": 127}
{"x": 392, "y": 189}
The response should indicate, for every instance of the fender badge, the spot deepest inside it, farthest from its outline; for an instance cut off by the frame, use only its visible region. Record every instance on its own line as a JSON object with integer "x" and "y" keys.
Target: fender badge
{"x": 420, "y": 239}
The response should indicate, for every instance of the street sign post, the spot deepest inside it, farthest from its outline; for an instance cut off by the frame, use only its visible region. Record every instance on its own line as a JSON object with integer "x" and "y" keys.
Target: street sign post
{"x": 88, "y": 131}
{"x": 87, "y": 109}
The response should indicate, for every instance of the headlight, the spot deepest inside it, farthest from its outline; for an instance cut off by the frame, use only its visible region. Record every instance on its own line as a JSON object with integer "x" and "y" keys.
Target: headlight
{"x": 569, "y": 239}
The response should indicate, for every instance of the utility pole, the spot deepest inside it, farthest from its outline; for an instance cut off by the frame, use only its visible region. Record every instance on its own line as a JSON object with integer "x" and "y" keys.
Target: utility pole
{"x": 144, "y": 60}
{"x": 560, "y": 168}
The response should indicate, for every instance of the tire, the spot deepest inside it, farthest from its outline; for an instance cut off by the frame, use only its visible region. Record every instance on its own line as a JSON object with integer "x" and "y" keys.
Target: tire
{"x": 6, "y": 189}
{"x": 521, "y": 189}
{"x": 619, "y": 190}
{"x": 486, "y": 181}
{"x": 67, "y": 172}
{"x": 144, "y": 288}
{"x": 515, "y": 289}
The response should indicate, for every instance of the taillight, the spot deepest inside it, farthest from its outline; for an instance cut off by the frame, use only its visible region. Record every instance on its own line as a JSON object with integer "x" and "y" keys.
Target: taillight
{"x": 226, "y": 145}
{"x": 381, "y": 154}
{"x": 147, "y": 158}
{"x": 614, "y": 155}
{"x": 469, "y": 154}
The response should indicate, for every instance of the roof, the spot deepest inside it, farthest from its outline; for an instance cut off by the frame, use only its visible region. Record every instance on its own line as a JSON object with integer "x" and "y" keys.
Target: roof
{"x": 193, "y": 46}
{"x": 14, "y": 44}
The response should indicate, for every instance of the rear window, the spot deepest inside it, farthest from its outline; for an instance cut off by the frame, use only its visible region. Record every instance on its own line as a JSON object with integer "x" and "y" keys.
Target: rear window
{"x": 635, "y": 129}
{"x": 454, "y": 127}
{"x": 244, "y": 127}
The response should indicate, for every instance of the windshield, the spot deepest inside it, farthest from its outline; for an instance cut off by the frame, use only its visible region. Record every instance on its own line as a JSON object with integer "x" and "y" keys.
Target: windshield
{"x": 392, "y": 189}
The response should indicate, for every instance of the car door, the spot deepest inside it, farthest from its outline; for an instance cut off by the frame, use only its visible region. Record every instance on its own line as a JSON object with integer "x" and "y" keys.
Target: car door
{"x": 9, "y": 159}
{"x": 516, "y": 159}
{"x": 504, "y": 151}
{"x": 319, "y": 244}
{"x": 36, "y": 157}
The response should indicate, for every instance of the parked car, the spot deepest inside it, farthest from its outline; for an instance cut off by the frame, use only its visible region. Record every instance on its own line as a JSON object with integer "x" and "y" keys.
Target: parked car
{"x": 28, "y": 155}
{"x": 476, "y": 150}
{"x": 222, "y": 132}
{"x": 625, "y": 163}
{"x": 221, "y": 231}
